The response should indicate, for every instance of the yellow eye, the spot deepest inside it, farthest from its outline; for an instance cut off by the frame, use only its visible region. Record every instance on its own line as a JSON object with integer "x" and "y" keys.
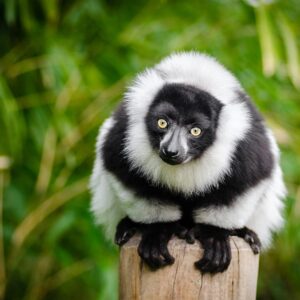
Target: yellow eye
{"x": 195, "y": 131}
{"x": 162, "y": 123}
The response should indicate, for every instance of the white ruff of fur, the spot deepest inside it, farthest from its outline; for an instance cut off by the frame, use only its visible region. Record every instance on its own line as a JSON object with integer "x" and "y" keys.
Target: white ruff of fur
{"x": 204, "y": 73}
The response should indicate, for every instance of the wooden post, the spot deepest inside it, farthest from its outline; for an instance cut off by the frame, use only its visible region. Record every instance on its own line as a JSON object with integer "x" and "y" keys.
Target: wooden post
{"x": 182, "y": 281}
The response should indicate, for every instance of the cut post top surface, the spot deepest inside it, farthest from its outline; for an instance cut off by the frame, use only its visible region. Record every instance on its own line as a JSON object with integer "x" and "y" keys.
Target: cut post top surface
{"x": 182, "y": 280}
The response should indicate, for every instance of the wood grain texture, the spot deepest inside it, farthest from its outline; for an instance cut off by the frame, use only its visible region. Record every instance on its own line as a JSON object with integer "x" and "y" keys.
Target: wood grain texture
{"x": 181, "y": 280}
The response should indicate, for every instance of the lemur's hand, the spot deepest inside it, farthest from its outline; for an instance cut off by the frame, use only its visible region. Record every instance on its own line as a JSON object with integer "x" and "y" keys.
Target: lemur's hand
{"x": 215, "y": 242}
{"x": 153, "y": 248}
{"x": 250, "y": 237}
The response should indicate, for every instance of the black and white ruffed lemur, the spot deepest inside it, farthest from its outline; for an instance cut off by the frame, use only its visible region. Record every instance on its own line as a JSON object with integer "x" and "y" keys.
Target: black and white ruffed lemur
{"x": 187, "y": 153}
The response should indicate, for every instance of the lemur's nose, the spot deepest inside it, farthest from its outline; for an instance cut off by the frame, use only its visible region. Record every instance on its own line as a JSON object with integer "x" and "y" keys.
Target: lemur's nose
{"x": 171, "y": 153}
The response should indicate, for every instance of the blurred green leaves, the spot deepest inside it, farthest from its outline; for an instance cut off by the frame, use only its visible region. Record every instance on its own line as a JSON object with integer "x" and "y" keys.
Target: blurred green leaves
{"x": 280, "y": 52}
{"x": 64, "y": 66}
{"x": 11, "y": 122}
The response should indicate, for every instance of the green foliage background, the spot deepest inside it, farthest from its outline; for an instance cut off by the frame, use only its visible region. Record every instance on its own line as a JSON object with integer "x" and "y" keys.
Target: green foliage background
{"x": 64, "y": 65}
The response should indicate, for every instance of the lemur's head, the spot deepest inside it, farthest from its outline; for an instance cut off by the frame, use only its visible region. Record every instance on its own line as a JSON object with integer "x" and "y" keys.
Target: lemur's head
{"x": 185, "y": 116}
{"x": 181, "y": 122}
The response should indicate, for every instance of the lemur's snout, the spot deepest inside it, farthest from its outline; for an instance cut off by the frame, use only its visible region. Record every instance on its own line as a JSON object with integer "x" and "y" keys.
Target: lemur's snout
{"x": 172, "y": 146}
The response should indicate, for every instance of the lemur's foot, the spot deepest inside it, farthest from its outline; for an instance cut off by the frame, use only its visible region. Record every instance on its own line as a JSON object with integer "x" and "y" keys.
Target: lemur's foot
{"x": 126, "y": 229}
{"x": 215, "y": 242}
{"x": 250, "y": 237}
{"x": 153, "y": 248}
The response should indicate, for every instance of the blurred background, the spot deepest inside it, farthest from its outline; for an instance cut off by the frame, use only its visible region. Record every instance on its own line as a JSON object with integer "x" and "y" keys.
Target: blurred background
{"x": 64, "y": 66}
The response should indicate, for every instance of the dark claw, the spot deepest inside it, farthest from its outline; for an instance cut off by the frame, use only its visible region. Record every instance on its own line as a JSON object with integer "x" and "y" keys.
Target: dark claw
{"x": 250, "y": 237}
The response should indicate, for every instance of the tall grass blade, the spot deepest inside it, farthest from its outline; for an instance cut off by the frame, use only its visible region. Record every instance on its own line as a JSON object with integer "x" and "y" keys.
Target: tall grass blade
{"x": 291, "y": 49}
{"x": 267, "y": 41}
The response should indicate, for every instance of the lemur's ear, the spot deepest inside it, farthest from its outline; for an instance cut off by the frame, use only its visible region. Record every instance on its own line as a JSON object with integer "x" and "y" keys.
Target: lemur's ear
{"x": 215, "y": 109}
{"x": 241, "y": 96}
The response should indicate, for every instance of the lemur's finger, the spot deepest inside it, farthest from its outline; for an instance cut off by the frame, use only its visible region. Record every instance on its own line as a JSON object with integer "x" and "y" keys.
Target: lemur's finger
{"x": 155, "y": 259}
{"x": 143, "y": 249}
{"x": 166, "y": 254}
{"x": 226, "y": 256}
{"x": 250, "y": 237}
{"x": 203, "y": 263}
{"x": 215, "y": 264}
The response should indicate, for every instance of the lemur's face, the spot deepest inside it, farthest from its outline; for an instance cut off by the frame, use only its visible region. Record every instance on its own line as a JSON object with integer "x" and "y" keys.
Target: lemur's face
{"x": 182, "y": 123}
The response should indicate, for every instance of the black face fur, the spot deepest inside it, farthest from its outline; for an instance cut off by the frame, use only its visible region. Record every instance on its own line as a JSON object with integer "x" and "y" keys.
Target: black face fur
{"x": 183, "y": 107}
